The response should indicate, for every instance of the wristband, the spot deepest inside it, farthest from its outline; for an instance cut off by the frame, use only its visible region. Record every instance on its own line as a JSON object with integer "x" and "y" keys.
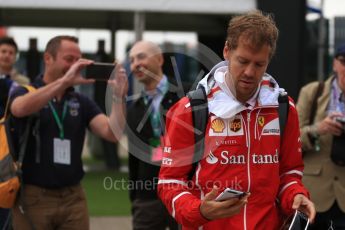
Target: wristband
{"x": 118, "y": 100}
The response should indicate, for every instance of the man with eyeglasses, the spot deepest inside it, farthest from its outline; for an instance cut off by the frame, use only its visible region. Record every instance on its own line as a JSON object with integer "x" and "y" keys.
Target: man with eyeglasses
{"x": 321, "y": 134}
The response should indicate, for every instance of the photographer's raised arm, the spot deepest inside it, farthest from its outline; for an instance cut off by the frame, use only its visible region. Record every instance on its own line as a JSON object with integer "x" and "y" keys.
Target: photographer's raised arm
{"x": 111, "y": 127}
{"x": 32, "y": 102}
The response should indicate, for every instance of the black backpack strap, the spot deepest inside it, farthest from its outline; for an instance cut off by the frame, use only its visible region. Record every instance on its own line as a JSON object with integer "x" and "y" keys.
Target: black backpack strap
{"x": 10, "y": 140}
{"x": 283, "y": 111}
{"x": 199, "y": 106}
{"x": 24, "y": 140}
{"x": 36, "y": 134}
{"x": 19, "y": 153}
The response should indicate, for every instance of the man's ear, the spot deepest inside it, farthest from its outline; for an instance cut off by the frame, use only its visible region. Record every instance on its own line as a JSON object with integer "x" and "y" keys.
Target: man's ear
{"x": 47, "y": 58}
{"x": 160, "y": 59}
{"x": 226, "y": 52}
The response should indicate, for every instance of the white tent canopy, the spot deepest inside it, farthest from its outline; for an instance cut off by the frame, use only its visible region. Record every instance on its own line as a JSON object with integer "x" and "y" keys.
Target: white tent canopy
{"x": 205, "y": 17}
{"x": 186, "y": 6}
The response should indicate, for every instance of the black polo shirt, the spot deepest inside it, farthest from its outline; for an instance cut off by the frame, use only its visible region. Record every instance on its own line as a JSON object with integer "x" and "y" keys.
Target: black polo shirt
{"x": 40, "y": 169}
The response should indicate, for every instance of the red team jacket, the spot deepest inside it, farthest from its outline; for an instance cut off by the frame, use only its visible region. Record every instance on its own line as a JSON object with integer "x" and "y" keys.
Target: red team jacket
{"x": 243, "y": 151}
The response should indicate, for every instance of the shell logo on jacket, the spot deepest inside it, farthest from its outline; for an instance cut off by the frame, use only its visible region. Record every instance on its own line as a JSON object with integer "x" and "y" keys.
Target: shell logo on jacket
{"x": 217, "y": 125}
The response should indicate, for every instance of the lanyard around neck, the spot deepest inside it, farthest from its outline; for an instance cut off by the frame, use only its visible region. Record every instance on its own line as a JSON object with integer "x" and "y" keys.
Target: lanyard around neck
{"x": 59, "y": 121}
{"x": 153, "y": 101}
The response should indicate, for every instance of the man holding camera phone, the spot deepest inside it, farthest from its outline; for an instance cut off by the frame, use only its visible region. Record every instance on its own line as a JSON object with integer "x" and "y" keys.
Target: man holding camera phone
{"x": 52, "y": 168}
{"x": 323, "y": 142}
{"x": 244, "y": 149}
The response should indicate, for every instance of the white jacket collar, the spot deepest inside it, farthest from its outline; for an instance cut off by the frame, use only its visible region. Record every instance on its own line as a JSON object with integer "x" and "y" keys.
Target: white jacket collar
{"x": 223, "y": 104}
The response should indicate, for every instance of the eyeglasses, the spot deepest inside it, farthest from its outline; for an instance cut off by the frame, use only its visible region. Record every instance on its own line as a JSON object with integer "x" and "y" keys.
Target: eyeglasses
{"x": 341, "y": 59}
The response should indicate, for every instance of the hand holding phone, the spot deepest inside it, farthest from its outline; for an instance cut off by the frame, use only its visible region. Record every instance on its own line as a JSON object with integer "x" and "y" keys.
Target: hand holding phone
{"x": 216, "y": 207}
{"x": 99, "y": 71}
{"x": 230, "y": 193}
{"x": 341, "y": 120}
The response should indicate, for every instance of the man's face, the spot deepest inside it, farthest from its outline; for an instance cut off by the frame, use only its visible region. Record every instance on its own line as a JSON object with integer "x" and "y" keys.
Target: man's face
{"x": 7, "y": 56}
{"x": 145, "y": 64}
{"x": 66, "y": 56}
{"x": 246, "y": 68}
{"x": 339, "y": 68}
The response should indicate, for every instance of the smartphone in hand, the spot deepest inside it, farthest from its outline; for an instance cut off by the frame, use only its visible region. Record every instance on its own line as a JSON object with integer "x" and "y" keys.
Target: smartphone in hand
{"x": 230, "y": 193}
{"x": 99, "y": 71}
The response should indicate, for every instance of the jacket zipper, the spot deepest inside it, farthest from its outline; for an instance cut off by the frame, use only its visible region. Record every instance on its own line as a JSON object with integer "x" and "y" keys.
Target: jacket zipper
{"x": 248, "y": 167}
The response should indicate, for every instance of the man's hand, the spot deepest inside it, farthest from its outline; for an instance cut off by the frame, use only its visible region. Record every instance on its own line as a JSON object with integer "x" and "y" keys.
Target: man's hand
{"x": 74, "y": 77}
{"x": 32, "y": 102}
{"x": 304, "y": 205}
{"x": 211, "y": 209}
{"x": 118, "y": 82}
{"x": 329, "y": 125}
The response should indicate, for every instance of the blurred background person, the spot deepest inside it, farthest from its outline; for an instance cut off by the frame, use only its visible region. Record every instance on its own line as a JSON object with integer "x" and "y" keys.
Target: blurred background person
{"x": 146, "y": 119}
{"x": 8, "y": 75}
{"x": 8, "y": 57}
{"x": 320, "y": 129}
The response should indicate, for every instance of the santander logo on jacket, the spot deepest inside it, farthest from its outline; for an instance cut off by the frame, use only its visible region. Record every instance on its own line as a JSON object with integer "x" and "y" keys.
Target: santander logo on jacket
{"x": 243, "y": 151}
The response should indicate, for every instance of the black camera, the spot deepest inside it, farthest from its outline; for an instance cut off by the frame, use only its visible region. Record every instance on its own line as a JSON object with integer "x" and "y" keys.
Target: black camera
{"x": 342, "y": 121}
{"x": 99, "y": 71}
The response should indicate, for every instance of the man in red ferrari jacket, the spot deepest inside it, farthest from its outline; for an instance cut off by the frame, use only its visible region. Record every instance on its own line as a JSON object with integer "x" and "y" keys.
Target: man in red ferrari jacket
{"x": 243, "y": 147}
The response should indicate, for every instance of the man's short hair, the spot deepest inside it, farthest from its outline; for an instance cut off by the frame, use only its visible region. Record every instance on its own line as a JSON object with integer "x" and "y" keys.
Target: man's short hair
{"x": 8, "y": 41}
{"x": 54, "y": 44}
{"x": 256, "y": 28}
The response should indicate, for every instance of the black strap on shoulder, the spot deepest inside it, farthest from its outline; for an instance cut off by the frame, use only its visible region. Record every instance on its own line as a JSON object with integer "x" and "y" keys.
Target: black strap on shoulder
{"x": 283, "y": 111}
{"x": 36, "y": 134}
{"x": 10, "y": 141}
{"x": 19, "y": 153}
{"x": 24, "y": 140}
{"x": 313, "y": 109}
{"x": 199, "y": 106}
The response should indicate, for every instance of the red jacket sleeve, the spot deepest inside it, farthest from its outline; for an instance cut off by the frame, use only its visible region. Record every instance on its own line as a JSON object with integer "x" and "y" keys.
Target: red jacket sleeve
{"x": 291, "y": 163}
{"x": 176, "y": 166}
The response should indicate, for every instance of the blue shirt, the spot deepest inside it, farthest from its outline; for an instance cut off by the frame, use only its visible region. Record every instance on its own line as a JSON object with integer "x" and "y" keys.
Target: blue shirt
{"x": 155, "y": 97}
{"x": 337, "y": 100}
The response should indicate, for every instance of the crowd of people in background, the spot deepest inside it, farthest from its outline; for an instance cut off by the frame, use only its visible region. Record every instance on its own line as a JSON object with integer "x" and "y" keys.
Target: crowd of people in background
{"x": 305, "y": 174}
{"x": 319, "y": 106}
